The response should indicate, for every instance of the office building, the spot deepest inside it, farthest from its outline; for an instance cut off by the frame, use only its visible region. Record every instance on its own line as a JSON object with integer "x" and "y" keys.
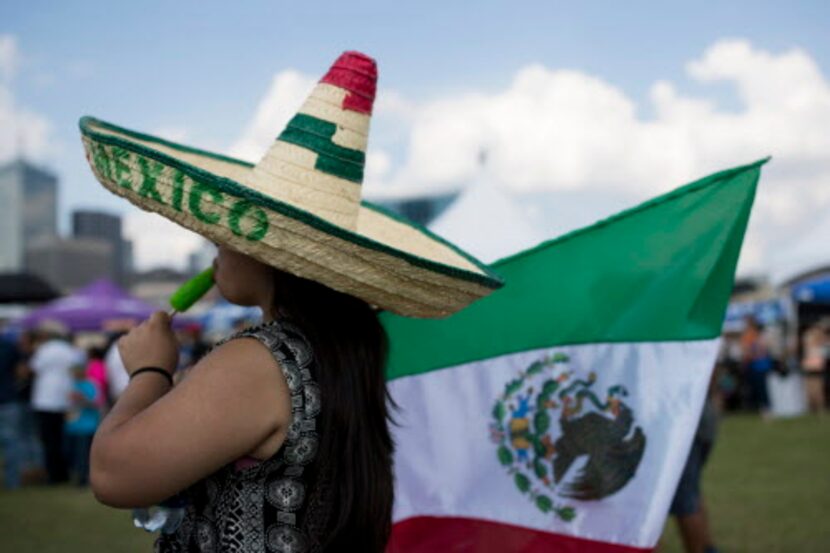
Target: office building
{"x": 68, "y": 264}
{"x": 87, "y": 223}
{"x": 28, "y": 211}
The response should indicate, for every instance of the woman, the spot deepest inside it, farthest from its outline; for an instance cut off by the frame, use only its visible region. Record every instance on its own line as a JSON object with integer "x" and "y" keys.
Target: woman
{"x": 280, "y": 435}
{"x": 814, "y": 347}
{"x": 52, "y": 364}
{"x": 96, "y": 371}
{"x": 237, "y": 407}
{"x": 757, "y": 362}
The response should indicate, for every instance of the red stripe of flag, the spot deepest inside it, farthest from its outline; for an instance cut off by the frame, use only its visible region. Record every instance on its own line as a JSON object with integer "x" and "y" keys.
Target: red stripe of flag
{"x": 468, "y": 535}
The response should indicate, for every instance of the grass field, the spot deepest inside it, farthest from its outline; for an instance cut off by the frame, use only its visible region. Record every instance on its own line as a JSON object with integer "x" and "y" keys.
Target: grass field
{"x": 767, "y": 486}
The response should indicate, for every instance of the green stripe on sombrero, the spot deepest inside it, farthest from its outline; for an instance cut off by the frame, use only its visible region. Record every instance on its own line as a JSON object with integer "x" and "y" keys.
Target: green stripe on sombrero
{"x": 488, "y": 278}
{"x": 316, "y": 135}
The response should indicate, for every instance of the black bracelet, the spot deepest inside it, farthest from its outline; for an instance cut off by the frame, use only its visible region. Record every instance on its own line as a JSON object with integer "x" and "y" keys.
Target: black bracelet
{"x": 161, "y": 371}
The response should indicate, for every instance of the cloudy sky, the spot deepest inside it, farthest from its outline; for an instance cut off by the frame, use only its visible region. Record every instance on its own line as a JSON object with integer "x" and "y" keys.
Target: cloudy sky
{"x": 584, "y": 108}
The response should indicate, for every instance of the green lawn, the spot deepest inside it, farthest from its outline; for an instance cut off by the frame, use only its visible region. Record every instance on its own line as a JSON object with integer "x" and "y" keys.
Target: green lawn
{"x": 767, "y": 484}
{"x": 767, "y": 487}
{"x": 65, "y": 519}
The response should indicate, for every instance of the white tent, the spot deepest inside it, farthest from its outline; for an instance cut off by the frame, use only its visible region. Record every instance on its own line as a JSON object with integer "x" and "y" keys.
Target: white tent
{"x": 487, "y": 222}
{"x": 811, "y": 251}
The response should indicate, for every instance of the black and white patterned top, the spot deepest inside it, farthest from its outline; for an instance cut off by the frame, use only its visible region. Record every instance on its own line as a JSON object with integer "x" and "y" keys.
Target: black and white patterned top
{"x": 261, "y": 507}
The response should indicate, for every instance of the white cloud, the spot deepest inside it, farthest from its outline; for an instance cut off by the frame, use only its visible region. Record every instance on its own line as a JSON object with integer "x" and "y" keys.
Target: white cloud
{"x": 9, "y": 57}
{"x": 22, "y": 131}
{"x": 288, "y": 90}
{"x": 172, "y": 132}
{"x": 558, "y": 130}
{"x": 158, "y": 242}
{"x": 572, "y": 135}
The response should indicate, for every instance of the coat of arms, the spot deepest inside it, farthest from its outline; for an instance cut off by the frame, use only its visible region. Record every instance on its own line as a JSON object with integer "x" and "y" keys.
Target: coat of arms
{"x": 600, "y": 433}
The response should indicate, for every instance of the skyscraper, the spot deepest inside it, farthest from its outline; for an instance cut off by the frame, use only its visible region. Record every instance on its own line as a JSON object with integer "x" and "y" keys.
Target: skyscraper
{"x": 69, "y": 263}
{"x": 28, "y": 211}
{"x": 87, "y": 223}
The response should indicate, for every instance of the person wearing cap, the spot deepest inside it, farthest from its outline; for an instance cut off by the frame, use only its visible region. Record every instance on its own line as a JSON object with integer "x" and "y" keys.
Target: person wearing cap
{"x": 52, "y": 363}
{"x": 278, "y": 439}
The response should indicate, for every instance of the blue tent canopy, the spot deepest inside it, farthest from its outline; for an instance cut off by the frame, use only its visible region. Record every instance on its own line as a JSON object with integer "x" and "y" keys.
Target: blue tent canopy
{"x": 220, "y": 318}
{"x": 813, "y": 291}
{"x": 764, "y": 311}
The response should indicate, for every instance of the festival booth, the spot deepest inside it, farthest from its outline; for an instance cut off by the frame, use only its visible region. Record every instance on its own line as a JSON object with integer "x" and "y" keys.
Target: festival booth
{"x": 18, "y": 292}
{"x": 487, "y": 222}
{"x": 24, "y": 288}
{"x": 811, "y": 298}
{"x": 767, "y": 312}
{"x": 220, "y": 319}
{"x": 809, "y": 302}
{"x": 786, "y": 392}
{"x": 92, "y": 308}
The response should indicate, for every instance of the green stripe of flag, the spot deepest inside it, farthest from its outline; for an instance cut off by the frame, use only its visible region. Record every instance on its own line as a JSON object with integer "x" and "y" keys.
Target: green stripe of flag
{"x": 316, "y": 135}
{"x": 662, "y": 271}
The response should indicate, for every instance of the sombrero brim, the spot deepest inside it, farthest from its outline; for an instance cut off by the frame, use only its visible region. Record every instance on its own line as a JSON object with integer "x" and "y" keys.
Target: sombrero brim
{"x": 387, "y": 261}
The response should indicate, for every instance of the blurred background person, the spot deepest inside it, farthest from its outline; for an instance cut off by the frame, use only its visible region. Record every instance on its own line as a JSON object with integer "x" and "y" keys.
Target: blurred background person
{"x": 96, "y": 372}
{"x": 192, "y": 346}
{"x": 31, "y": 449}
{"x": 52, "y": 364}
{"x": 688, "y": 506}
{"x": 81, "y": 422}
{"x": 10, "y": 414}
{"x": 757, "y": 363}
{"x": 117, "y": 378}
{"x": 814, "y": 358}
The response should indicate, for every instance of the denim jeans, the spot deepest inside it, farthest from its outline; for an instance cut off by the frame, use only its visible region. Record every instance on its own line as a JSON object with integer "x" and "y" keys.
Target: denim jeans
{"x": 54, "y": 445}
{"x": 32, "y": 456}
{"x": 10, "y": 443}
{"x": 79, "y": 446}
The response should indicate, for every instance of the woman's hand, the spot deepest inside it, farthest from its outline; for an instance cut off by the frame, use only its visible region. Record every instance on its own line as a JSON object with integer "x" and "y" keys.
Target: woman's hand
{"x": 151, "y": 344}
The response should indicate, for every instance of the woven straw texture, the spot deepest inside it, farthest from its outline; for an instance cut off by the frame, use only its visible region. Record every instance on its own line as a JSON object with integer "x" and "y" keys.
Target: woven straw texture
{"x": 299, "y": 209}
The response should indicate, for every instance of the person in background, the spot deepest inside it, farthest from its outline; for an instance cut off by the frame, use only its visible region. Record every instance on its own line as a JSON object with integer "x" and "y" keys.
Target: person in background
{"x": 757, "y": 363}
{"x": 191, "y": 346}
{"x": 728, "y": 375}
{"x": 81, "y": 422}
{"x": 31, "y": 450}
{"x": 814, "y": 357}
{"x": 117, "y": 377}
{"x": 10, "y": 411}
{"x": 688, "y": 506}
{"x": 52, "y": 365}
{"x": 96, "y": 372}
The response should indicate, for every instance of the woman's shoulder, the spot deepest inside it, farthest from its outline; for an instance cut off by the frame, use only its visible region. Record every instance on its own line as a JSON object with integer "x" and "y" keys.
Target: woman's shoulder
{"x": 284, "y": 340}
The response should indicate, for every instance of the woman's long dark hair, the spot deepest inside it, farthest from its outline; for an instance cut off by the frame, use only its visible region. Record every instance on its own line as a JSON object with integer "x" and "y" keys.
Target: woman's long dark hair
{"x": 352, "y": 473}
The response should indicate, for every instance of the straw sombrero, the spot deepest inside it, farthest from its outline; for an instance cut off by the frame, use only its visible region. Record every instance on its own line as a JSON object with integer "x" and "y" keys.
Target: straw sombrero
{"x": 299, "y": 209}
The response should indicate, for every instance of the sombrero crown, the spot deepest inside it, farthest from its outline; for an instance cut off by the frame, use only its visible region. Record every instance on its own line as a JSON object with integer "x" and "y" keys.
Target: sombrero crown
{"x": 299, "y": 209}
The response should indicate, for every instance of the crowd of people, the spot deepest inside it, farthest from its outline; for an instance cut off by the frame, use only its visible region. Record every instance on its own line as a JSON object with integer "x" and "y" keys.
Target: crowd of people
{"x": 53, "y": 395}
{"x": 740, "y": 382}
{"x": 751, "y": 357}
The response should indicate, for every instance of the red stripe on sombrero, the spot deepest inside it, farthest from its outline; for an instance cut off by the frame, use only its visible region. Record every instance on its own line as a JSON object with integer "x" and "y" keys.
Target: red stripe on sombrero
{"x": 358, "y": 74}
{"x": 469, "y": 535}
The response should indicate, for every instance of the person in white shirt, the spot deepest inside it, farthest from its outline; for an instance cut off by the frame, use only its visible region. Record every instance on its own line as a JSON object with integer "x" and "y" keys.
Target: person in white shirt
{"x": 52, "y": 365}
{"x": 117, "y": 377}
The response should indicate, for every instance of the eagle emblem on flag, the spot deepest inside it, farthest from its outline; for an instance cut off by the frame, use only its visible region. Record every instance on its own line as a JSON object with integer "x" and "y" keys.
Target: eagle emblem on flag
{"x": 597, "y": 439}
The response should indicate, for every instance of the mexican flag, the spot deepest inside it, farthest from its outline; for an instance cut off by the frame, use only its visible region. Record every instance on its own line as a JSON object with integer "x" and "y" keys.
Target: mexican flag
{"x": 557, "y": 414}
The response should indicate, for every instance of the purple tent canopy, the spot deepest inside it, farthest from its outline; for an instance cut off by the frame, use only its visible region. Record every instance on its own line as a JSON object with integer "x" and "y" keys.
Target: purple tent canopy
{"x": 90, "y": 307}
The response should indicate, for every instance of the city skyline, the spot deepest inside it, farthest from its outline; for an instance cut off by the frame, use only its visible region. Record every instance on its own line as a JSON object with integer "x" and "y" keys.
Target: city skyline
{"x": 584, "y": 110}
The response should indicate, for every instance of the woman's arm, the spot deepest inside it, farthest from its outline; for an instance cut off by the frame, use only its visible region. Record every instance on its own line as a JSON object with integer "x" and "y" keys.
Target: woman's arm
{"x": 157, "y": 441}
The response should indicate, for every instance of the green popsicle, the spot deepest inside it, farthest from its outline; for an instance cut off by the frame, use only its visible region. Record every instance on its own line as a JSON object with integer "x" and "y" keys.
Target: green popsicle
{"x": 191, "y": 291}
